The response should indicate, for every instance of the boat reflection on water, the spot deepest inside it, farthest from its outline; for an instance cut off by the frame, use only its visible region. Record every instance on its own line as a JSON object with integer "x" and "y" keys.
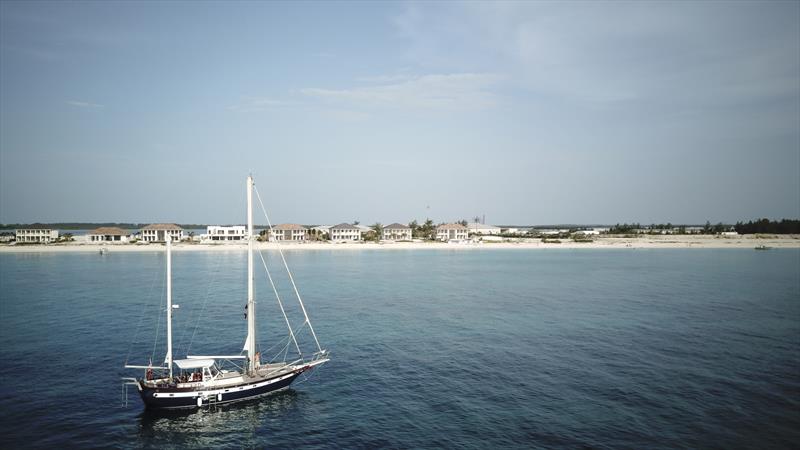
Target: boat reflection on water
{"x": 233, "y": 424}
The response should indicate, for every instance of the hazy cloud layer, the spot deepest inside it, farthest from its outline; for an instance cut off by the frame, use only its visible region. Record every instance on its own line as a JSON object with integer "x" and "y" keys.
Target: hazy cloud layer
{"x": 447, "y": 91}
{"x": 84, "y": 104}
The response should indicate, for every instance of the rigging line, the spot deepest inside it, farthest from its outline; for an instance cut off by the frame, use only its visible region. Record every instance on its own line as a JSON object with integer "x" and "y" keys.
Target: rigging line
{"x": 284, "y": 350}
{"x": 291, "y": 278}
{"x": 267, "y": 351}
{"x": 161, "y": 309}
{"x": 205, "y": 303}
{"x": 141, "y": 316}
{"x": 280, "y": 303}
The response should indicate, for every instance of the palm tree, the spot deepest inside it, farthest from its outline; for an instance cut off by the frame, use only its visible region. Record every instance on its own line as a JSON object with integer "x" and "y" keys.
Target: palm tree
{"x": 427, "y": 230}
{"x": 414, "y": 228}
{"x": 377, "y": 227}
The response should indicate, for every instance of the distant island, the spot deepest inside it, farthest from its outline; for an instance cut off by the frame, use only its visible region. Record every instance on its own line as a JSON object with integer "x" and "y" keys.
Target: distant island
{"x": 759, "y": 226}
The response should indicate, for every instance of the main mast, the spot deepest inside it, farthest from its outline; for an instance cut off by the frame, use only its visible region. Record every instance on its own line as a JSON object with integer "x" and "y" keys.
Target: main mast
{"x": 251, "y": 302}
{"x": 169, "y": 303}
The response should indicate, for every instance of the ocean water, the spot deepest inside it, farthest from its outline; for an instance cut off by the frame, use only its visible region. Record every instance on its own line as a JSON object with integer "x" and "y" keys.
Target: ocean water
{"x": 430, "y": 349}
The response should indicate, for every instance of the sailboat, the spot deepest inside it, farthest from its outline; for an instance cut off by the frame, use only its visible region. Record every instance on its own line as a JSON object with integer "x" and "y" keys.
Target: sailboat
{"x": 196, "y": 380}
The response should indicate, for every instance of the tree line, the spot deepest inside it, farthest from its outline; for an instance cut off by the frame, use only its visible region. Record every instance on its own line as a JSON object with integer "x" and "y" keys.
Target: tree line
{"x": 785, "y": 226}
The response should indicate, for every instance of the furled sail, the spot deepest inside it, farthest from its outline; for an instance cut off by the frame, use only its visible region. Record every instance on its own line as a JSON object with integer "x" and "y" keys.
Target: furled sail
{"x": 246, "y": 343}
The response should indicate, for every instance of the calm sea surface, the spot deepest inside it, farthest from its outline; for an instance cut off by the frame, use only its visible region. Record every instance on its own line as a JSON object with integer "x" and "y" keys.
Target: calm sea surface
{"x": 467, "y": 349}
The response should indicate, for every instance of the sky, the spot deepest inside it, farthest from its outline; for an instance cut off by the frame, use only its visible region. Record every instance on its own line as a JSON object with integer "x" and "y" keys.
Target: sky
{"x": 522, "y": 112}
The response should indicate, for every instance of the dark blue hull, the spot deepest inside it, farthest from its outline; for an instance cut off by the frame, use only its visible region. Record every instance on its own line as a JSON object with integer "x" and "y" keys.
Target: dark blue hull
{"x": 172, "y": 398}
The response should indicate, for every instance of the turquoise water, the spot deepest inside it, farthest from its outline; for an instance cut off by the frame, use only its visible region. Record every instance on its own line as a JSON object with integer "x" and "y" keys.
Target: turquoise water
{"x": 471, "y": 349}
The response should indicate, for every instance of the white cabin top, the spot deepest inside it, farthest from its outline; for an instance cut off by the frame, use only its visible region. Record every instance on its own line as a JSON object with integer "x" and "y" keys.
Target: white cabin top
{"x": 194, "y": 363}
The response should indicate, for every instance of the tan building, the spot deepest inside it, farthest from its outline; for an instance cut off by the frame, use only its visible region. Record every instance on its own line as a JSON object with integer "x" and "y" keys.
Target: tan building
{"x": 288, "y": 232}
{"x": 36, "y": 235}
{"x": 157, "y": 232}
{"x": 108, "y": 234}
{"x": 396, "y": 232}
{"x": 451, "y": 232}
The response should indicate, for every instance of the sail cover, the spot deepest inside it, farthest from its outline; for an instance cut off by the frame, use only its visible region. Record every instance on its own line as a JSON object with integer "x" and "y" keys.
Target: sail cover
{"x": 193, "y": 363}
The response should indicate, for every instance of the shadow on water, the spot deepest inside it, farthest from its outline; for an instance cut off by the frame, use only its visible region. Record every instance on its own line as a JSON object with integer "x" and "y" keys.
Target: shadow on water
{"x": 231, "y": 424}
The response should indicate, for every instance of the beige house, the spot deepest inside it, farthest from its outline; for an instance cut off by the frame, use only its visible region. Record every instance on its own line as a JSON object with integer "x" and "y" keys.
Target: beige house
{"x": 345, "y": 232}
{"x": 451, "y": 232}
{"x": 157, "y": 232}
{"x": 36, "y": 235}
{"x": 108, "y": 234}
{"x": 396, "y": 232}
{"x": 288, "y": 232}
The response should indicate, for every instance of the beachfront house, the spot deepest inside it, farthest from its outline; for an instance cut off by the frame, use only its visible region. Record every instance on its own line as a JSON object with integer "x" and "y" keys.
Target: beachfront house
{"x": 451, "y": 232}
{"x": 109, "y": 234}
{"x": 345, "y": 232}
{"x": 218, "y": 233}
{"x": 482, "y": 229}
{"x": 288, "y": 232}
{"x": 157, "y": 232}
{"x": 396, "y": 232}
{"x": 35, "y": 235}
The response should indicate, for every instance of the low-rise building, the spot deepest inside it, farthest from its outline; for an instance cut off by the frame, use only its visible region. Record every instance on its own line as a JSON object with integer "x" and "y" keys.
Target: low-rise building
{"x": 157, "y": 232}
{"x": 451, "y": 232}
{"x": 345, "y": 232}
{"x": 483, "y": 229}
{"x": 217, "y": 233}
{"x": 35, "y": 235}
{"x": 396, "y": 232}
{"x": 288, "y": 232}
{"x": 109, "y": 234}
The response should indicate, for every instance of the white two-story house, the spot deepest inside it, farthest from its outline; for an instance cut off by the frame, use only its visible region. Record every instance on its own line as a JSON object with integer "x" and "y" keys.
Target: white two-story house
{"x": 345, "y": 232}
{"x": 157, "y": 232}
{"x": 396, "y": 232}
{"x": 288, "y": 232}
{"x": 217, "y": 233}
{"x": 451, "y": 232}
{"x": 36, "y": 235}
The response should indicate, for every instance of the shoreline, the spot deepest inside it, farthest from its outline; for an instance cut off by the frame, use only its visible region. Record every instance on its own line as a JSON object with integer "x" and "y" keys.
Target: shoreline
{"x": 644, "y": 242}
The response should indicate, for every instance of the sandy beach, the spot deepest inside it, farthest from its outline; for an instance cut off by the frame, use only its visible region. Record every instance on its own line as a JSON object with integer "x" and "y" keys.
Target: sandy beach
{"x": 604, "y": 242}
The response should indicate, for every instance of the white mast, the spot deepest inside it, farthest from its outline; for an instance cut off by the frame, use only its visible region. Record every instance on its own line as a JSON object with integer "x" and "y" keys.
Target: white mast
{"x": 169, "y": 302}
{"x": 251, "y": 303}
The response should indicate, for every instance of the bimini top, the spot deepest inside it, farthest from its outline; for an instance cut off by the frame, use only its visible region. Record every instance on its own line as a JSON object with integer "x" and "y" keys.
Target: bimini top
{"x": 193, "y": 363}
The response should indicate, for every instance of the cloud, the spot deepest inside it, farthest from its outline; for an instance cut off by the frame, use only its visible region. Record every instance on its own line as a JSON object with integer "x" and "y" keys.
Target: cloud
{"x": 384, "y": 78}
{"x": 84, "y": 104}
{"x": 258, "y": 104}
{"x": 436, "y": 91}
{"x": 690, "y": 53}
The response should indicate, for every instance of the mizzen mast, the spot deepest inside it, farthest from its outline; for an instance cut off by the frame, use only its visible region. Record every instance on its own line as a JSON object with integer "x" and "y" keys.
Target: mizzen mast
{"x": 250, "y": 343}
